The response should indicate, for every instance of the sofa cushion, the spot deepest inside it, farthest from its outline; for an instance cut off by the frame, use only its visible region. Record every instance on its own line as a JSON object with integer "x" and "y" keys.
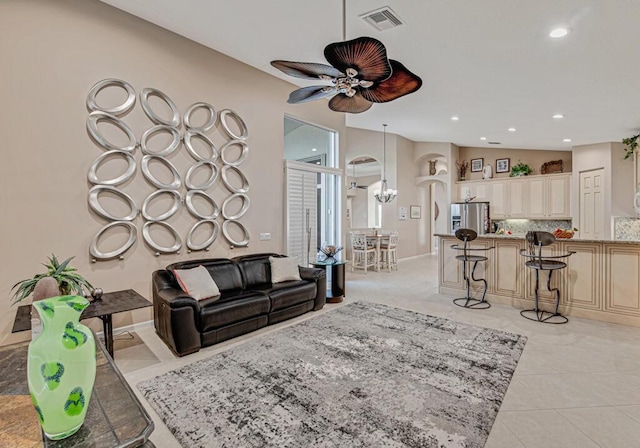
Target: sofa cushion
{"x": 286, "y": 294}
{"x": 224, "y": 272}
{"x": 284, "y": 269}
{"x": 255, "y": 268}
{"x": 197, "y": 282}
{"x": 232, "y": 308}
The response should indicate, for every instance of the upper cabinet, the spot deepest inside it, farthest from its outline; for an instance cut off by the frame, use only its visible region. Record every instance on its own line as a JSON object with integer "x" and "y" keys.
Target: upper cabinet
{"x": 532, "y": 197}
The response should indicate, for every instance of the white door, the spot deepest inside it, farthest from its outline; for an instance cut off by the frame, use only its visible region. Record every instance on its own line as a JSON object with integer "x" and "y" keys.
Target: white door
{"x": 301, "y": 205}
{"x": 591, "y": 204}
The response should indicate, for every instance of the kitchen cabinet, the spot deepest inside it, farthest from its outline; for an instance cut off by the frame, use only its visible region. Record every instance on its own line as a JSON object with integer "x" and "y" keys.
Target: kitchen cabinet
{"x": 498, "y": 204}
{"x": 548, "y": 197}
{"x": 517, "y": 206}
{"x": 479, "y": 190}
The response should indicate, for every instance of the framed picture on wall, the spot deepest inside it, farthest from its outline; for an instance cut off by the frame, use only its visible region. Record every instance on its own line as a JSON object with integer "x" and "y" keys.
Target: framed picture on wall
{"x": 476, "y": 165}
{"x": 502, "y": 166}
{"x": 415, "y": 212}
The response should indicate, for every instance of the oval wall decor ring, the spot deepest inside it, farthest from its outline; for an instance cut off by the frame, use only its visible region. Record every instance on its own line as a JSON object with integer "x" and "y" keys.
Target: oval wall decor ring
{"x": 99, "y": 255}
{"x": 92, "y": 176}
{"x": 244, "y": 132}
{"x": 245, "y": 182}
{"x": 177, "y": 201}
{"x": 177, "y": 180}
{"x": 209, "y": 124}
{"x": 94, "y": 203}
{"x": 161, "y": 128}
{"x": 175, "y": 121}
{"x": 192, "y": 209}
{"x": 209, "y": 241}
{"x": 243, "y": 154}
{"x": 198, "y": 134}
{"x": 225, "y": 233}
{"x": 146, "y": 235}
{"x": 214, "y": 175}
{"x": 92, "y": 126}
{"x": 121, "y": 109}
{"x": 243, "y": 210}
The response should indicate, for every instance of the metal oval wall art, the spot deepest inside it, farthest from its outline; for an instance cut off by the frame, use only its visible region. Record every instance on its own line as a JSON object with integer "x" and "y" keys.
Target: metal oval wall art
{"x": 118, "y": 110}
{"x": 215, "y": 229}
{"x": 244, "y": 152}
{"x": 97, "y": 254}
{"x": 177, "y": 180}
{"x": 145, "y": 93}
{"x": 94, "y": 203}
{"x": 245, "y": 206}
{"x": 92, "y": 126}
{"x": 244, "y": 188}
{"x": 244, "y": 133}
{"x": 177, "y": 201}
{"x": 245, "y": 235}
{"x": 208, "y": 125}
{"x": 159, "y": 129}
{"x": 192, "y": 209}
{"x": 146, "y": 235}
{"x": 191, "y": 133}
{"x": 92, "y": 176}
{"x": 212, "y": 178}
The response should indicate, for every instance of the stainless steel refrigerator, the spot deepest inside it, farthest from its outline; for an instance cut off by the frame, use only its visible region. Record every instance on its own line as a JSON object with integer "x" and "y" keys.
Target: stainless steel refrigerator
{"x": 470, "y": 215}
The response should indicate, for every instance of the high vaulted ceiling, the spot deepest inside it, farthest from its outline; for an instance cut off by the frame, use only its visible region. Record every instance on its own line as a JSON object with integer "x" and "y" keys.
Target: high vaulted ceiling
{"x": 490, "y": 62}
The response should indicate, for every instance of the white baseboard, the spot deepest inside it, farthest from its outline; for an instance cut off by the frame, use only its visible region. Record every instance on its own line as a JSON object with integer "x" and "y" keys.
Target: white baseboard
{"x": 400, "y": 260}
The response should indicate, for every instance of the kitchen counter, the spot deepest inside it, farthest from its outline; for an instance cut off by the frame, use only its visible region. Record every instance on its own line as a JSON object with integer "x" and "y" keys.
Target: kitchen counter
{"x": 600, "y": 281}
{"x": 559, "y": 240}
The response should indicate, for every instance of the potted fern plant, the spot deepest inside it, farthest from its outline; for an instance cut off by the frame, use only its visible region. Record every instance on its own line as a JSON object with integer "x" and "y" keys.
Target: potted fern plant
{"x": 66, "y": 277}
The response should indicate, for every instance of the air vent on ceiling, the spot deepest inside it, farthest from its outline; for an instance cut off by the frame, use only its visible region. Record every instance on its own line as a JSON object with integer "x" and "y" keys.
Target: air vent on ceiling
{"x": 382, "y": 19}
{"x": 494, "y": 143}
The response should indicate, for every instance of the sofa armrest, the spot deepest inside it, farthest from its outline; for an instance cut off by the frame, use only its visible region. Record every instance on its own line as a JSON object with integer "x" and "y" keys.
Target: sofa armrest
{"x": 175, "y": 315}
{"x": 319, "y": 276}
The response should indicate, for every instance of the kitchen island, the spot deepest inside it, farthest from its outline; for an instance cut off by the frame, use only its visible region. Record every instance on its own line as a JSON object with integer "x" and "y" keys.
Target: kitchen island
{"x": 601, "y": 281}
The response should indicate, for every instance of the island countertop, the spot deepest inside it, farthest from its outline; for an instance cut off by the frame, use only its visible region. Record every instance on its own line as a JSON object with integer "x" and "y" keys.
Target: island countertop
{"x": 559, "y": 240}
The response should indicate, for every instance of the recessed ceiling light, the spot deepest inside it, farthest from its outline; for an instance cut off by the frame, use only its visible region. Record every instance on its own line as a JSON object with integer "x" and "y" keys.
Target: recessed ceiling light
{"x": 483, "y": 138}
{"x": 558, "y": 116}
{"x": 314, "y": 149}
{"x": 566, "y": 140}
{"x": 455, "y": 118}
{"x": 559, "y": 32}
{"x": 511, "y": 129}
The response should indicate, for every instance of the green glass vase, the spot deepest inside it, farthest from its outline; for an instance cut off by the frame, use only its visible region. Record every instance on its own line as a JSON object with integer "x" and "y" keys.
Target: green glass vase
{"x": 61, "y": 366}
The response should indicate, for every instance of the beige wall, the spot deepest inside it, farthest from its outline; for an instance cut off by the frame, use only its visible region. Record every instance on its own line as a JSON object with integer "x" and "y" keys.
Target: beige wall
{"x": 534, "y": 158}
{"x": 53, "y": 52}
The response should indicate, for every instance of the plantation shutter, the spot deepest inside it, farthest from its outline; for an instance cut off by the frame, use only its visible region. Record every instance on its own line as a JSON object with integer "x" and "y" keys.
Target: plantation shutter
{"x": 301, "y": 206}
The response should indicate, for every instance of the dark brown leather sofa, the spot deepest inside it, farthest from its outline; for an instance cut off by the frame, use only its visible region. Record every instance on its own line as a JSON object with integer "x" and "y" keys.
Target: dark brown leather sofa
{"x": 248, "y": 301}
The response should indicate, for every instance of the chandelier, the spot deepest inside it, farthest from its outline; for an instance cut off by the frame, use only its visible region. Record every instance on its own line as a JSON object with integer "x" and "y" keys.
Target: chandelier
{"x": 385, "y": 194}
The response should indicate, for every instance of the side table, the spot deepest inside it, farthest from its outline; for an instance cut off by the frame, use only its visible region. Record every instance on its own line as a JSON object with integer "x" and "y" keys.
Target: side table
{"x": 115, "y": 417}
{"x": 335, "y": 279}
{"x": 110, "y": 304}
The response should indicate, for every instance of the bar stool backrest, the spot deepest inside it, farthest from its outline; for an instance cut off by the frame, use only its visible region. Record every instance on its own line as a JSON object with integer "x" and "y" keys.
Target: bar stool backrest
{"x": 358, "y": 241}
{"x": 466, "y": 235}
{"x": 536, "y": 241}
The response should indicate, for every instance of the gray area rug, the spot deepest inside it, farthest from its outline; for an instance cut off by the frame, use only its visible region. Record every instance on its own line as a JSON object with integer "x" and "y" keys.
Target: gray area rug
{"x": 363, "y": 375}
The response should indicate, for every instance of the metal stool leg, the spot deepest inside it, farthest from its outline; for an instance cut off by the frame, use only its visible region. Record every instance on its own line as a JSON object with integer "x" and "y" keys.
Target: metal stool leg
{"x": 546, "y": 317}
{"x": 470, "y": 302}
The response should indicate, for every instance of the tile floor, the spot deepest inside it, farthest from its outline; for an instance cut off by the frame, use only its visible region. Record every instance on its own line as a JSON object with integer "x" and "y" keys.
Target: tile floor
{"x": 577, "y": 385}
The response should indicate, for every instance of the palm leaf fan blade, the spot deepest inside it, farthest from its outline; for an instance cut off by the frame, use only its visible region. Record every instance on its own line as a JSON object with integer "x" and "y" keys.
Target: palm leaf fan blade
{"x": 401, "y": 82}
{"x": 366, "y": 55}
{"x": 306, "y": 70}
{"x": 311, "y": 93}
{"x": 353, "y": 105}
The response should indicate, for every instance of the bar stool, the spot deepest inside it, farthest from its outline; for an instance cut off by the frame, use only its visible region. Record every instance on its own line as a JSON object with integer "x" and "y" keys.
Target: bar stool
{"x": 535, "y": 242}
{"x": 466, "y": 236}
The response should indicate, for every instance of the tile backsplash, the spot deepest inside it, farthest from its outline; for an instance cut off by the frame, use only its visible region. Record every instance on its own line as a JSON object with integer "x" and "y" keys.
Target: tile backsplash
{"x": 522, "y": 226}
{"x": 627, "y": 229}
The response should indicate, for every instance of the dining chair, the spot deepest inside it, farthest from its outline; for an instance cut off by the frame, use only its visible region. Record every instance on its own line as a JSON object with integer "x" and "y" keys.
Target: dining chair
{"x": 363, "y": 253}
{"x": 388, "y": 251}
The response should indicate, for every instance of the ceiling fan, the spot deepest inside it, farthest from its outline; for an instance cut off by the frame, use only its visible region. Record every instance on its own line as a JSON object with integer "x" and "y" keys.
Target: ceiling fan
{"x": 354, "y": 184}
{"x": 360, "y": 74}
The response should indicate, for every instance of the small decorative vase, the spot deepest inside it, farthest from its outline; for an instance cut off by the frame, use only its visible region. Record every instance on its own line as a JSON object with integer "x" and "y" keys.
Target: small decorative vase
{"x": 432, "y": 167}
{"x": 61, "y": 366}
{"x": 330, "y": 259}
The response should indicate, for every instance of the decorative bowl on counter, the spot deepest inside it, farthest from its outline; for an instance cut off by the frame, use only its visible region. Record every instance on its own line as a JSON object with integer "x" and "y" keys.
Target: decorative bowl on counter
{"x": 564, "y": 233}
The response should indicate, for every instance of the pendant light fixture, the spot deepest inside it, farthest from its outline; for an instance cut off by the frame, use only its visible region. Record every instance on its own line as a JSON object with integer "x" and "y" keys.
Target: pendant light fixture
{"x": 386, "y": 194}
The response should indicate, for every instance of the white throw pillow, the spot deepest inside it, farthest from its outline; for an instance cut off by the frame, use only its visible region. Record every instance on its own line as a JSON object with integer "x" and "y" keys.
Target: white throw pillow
{"x": 284, "y": 269}
{"x": 197, "y": 282}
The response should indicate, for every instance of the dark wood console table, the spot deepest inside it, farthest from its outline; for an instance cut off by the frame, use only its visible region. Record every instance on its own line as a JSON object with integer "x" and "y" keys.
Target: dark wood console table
{"x": 110, "y": 304}
{"x": 115, "y": 418}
